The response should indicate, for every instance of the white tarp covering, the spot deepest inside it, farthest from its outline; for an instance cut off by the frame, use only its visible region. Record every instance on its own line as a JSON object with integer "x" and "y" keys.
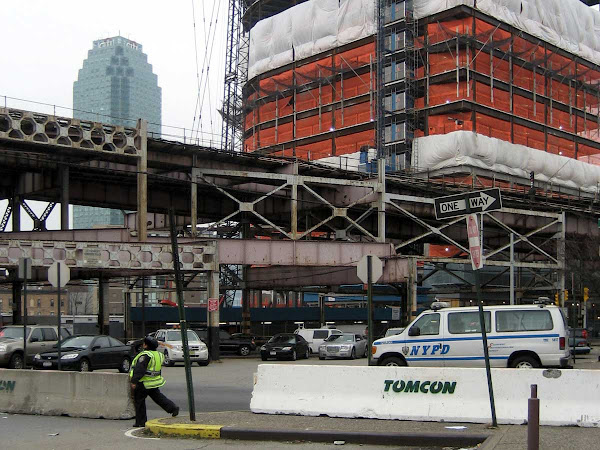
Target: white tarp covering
{"x": 308, "y": 29}
{"x": 319, "y": 25}
{"x": 466, "y": 148}
{"x": 568, "y": 24}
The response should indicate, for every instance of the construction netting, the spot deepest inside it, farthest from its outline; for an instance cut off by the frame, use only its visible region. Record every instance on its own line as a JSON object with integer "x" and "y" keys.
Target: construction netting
{"x": 323, "y": 101}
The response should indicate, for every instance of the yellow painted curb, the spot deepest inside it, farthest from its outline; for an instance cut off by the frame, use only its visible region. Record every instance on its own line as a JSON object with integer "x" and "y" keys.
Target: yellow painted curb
{"x": 156, "y": 426}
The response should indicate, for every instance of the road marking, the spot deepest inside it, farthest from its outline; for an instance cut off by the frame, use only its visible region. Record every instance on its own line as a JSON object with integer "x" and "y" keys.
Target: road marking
{"x": 129, "y": 433}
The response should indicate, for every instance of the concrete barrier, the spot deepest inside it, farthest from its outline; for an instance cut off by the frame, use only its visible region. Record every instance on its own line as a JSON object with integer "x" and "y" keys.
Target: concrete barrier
{"x": 54, "y": 393}
{"x": 567, "y": 397}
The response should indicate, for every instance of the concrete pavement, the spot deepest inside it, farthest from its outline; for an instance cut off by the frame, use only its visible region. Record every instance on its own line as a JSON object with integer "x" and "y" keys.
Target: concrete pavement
{"x": 246, "y": 425}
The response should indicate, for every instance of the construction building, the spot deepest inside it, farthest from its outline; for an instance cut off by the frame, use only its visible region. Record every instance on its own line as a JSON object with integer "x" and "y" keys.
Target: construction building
{"x": 479, "y": 92}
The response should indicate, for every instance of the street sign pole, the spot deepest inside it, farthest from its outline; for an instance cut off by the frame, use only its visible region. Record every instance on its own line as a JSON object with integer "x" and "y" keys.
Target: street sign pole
{"x": 58, "y": 303}
{"x": 369, "y": 270}
{"x": 370, "y": 305}
{"x": 476, "y": 249}
{"x": 58, "y": 276}
{"x": 25, "y": 264}
{"x": 182, "y": 320}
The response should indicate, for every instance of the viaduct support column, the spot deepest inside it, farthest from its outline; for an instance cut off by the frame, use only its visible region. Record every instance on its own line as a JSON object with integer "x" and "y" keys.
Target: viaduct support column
{"x": 213, "y": 316}
{"x": 103, "y": 308}
{"x": 64, "y": 198}
{"x": 412, "y": 288}
{"x": 194, "y": 203}
{"x": 142, "y": 182}
{"x": 16, "y": 212}
{"x": 17, "y": 291}
{"x": 381, "y": 200}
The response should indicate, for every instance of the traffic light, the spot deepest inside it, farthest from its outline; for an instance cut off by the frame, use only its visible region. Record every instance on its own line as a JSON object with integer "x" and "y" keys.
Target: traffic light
{"x": 586, "y": 294}
{"x": 556, "y": 299}
{"x": 566, "y": 296}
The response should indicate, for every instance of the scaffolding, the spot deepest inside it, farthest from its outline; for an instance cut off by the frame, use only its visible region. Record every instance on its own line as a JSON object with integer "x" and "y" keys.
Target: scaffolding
{"x": 485, "y": 76}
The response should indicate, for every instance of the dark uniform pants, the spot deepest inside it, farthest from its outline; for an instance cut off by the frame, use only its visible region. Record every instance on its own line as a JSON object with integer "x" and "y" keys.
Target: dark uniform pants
{"x": 139, "y": 400}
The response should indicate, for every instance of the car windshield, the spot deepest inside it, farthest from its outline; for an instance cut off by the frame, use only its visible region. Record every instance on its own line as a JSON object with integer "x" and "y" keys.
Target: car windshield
{"x": 13, "y": 332}
{"x": 340, "y": 338}
{"x": 176, "y": 335}
{"x": 77, "y": 342}
{"x": 282, "y": 339}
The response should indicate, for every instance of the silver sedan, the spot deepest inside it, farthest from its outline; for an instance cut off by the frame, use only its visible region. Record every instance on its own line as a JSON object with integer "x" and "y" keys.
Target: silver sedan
{"x": 347, "y": 345}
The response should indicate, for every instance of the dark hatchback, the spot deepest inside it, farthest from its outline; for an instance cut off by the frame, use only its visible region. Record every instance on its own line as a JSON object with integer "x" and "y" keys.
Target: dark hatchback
{"x": 87, "y": 353}
{"x": 285, "y": 346}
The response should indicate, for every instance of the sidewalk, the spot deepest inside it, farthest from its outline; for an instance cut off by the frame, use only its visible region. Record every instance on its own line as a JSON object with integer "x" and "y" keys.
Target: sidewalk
{"x": 245, "y": 425}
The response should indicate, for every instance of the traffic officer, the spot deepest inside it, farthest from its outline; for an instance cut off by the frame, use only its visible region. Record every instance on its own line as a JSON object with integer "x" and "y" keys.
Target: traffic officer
{"x": 146, "y": 379}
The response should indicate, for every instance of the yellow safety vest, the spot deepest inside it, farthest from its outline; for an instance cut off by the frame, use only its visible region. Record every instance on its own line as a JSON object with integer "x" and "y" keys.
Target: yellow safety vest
{"x": 152, "y": 378}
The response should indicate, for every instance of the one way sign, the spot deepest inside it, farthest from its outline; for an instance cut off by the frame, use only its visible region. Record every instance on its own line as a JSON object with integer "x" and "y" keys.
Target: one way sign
{"x": 470, "y": 202}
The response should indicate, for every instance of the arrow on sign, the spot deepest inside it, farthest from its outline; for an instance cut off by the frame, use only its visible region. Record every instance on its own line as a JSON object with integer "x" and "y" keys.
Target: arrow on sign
{"x": 483, "y": 201}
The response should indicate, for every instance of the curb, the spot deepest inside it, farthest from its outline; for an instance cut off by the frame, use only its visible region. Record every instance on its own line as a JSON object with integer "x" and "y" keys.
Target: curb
{"x": 201, "y": 431}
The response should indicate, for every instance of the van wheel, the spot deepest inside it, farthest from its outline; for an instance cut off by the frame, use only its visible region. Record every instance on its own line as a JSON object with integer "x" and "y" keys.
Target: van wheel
{"x": 393, "y": 361}
{"x": 524, "y": 362}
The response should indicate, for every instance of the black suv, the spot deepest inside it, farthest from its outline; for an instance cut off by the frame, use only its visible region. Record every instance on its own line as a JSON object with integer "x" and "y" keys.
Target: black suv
{"x": 242, "y": 345}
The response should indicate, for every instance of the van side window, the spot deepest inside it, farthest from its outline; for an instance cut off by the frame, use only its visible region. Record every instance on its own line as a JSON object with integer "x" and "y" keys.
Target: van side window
{"x": 321, "y": 334}
{"x": 428, "y": 324}
{"x": 524, "y": 320}
{"x": 468, "y": 322}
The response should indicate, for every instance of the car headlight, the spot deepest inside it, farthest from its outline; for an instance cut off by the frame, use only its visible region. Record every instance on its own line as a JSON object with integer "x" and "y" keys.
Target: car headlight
{"x": 2, "y": 348}
{"x": 345, "y": 348}
{"x": 70, "y": 356}
{"x": 37, "y": 356}
{"x": 285, "y": 349}
{"x": 322, "y": 347}
{"x": 263, "y": 348}
{"x": 177, "y": 347}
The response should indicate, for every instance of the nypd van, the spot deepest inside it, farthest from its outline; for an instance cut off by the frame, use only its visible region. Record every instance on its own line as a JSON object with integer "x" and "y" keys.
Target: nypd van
{"x": 523, "y": 336}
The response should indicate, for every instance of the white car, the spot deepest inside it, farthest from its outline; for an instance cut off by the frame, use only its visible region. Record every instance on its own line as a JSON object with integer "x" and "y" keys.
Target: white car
{"x": 169, "y": 344}
{"x": 316, "y": 336}
{"x": 521, "y": 336}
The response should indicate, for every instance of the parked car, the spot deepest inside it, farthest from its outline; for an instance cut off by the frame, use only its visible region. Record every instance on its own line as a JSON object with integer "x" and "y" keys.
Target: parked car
{"x": 242, "y": 344}
{"x": 347, "y": 345}
{"x": 138, "y": 344}
{"x": 578, "y": 341}
{"x": 39, "y": 339}
{"x": 258, "y": 340}
{"x": 393, "y": 331}
{"x": 285, "y": 346}
{"x": 316, "y": 336}
{"x": 86, "y": 353}
{"x": 169, "y": 343}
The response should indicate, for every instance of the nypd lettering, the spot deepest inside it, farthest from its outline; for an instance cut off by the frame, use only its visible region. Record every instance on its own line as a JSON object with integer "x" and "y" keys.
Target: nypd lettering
{"x": 429, "y": 350}
{"x": 424, "y": 387}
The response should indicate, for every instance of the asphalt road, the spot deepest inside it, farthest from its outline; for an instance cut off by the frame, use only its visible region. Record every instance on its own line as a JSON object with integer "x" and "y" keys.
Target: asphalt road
{"x": 225, "y": 385}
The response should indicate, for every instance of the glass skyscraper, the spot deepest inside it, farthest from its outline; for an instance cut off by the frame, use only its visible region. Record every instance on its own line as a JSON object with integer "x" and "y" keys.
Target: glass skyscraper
{"x": 116, "y": 85}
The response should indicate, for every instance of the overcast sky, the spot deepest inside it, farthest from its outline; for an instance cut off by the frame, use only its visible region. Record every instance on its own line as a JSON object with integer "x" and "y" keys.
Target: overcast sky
{"x": 45, "y": 43}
